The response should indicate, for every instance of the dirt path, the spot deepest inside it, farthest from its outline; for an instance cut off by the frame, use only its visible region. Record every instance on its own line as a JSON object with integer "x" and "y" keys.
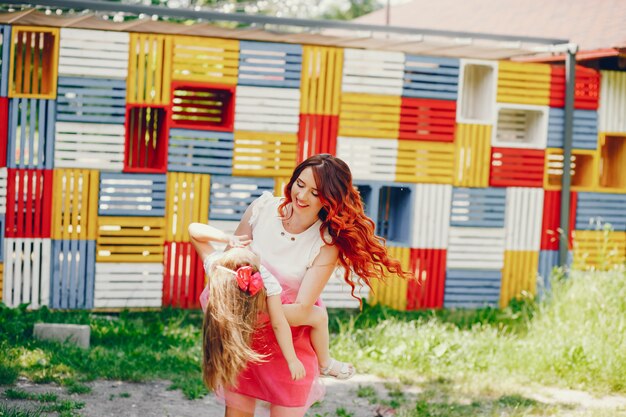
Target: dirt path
{"x": 153, "y": 399}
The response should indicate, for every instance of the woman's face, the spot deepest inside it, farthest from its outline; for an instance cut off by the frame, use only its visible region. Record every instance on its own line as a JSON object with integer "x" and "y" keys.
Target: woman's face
{"x": 304, "y": 194}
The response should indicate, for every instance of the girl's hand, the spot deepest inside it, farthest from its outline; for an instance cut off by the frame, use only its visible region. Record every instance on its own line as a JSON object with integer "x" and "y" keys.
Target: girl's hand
{"x": 241, "y": 241}
{"x": 297, "y": 369}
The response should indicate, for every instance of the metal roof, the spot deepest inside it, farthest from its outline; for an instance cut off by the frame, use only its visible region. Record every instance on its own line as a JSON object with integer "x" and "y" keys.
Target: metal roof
{"x": 273, "y": 29}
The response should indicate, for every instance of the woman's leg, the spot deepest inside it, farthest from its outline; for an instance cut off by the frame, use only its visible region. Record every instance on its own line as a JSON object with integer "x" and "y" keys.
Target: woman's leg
{"x": 281, "y": 411}
{"x": 238, "y": 405}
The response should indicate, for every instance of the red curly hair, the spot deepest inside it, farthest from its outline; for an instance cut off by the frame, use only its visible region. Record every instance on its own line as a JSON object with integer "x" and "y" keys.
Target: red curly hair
{"x": 342, "y": 215}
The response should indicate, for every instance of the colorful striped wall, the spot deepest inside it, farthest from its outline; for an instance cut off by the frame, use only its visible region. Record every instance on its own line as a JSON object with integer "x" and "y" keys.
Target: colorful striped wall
{"x": 112, "y": 142}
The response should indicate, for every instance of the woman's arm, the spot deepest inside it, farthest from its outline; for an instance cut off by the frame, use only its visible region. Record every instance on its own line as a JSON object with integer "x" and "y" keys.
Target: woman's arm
{"x": 313, "y": 284}
{"x": 284, "y": 337}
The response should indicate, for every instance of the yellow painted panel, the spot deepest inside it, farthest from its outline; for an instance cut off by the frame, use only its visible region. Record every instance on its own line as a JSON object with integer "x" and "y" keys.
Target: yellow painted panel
{"x": 205, "y": 59}
{"x": 42, "y": 80}
{"x": 264, "y": 154}
{"x": 519, "y": 275}
{"x": 187, "y": 200}
{"x": 279, "y": 185}
{"x": 428, "y": 162}
{"x": 130, "y": 239}
{"x": 369, "y": 115}
{"x": 74, "y": 204}
{"x": 392, "y": 291}
{"x": 598, "y": 249}
{"x": 611, "y": 162}
{"x": 149, "y": 69}
{"x": 583, "y": 168}
{"x": 523, "y": 83}
{"x": 473, "y": 155}
{"x": 320, "y": 86}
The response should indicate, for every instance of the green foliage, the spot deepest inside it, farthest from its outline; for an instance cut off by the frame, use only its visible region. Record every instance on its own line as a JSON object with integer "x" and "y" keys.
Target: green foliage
{"x": 342, "y": 412}
{"x": 9, "y": 411}
{"x": 8, "y": 372}
{"x": 355, "y": 9}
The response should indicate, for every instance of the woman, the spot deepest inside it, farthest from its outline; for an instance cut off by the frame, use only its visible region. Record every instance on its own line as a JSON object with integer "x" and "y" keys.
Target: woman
{"x": 300, "y": 239}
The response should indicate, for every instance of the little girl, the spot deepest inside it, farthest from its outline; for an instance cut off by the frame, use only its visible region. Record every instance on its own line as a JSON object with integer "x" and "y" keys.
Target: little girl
{"x": 238, "y": 293}
{"x": 201, "y": 236}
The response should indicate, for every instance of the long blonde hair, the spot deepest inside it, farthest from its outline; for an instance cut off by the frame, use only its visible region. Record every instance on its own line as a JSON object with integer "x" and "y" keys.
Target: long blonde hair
{"x": 229, "y": 322}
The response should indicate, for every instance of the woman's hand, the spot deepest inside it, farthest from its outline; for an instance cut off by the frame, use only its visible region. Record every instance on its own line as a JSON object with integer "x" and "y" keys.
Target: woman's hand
{"x": 297, "y": 369}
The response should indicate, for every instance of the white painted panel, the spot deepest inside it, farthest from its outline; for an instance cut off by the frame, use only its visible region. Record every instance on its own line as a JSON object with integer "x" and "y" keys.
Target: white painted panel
{"x": 93, "y": 53}
{"x": 431, "y": 219}
{"x": 373, "y": 72}
{"x": 267, "y": 109}
{"x": 369, "y": 159}
{"x": 475, "y": 248}
{"x": 89, "y": 145}
{"x": 520, "y": 126}
{"x": 612, "y": 107}
{"x": 523, "y": 218}
{"x": 26, "y": 272}
{"x": 337, "y": 294}
{"x": 128, "y": 285}
{"x": 478, "y": 83}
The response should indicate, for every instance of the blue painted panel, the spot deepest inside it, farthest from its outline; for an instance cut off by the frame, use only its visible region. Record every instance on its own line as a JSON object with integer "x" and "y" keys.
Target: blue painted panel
{"x": 391, "y": 205}
{"x": 478, "y": 207}
{"x": 472, "y": 288}
{"x": 593, "y": 210}
{"x": 132, "y": 194}
{"x": 31, "y": 133}
{"x": 72, "y": 274}
{"x": 203, "y": 152}
{"x": 91, "y": 100}
{"x": 585, "y": 135}
{"x": 5, "y": 51}
{"x": 431, "y": 77}
{"x": 231, "y": 196}
{"x": 268, "y": 64}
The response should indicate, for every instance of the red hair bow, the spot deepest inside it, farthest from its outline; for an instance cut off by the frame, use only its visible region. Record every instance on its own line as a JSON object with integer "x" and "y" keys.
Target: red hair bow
{"x": 247, "y": 281}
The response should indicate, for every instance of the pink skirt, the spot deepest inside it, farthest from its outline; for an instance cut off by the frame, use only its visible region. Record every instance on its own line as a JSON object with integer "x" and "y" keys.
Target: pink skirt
{"x": 271, "y": 380}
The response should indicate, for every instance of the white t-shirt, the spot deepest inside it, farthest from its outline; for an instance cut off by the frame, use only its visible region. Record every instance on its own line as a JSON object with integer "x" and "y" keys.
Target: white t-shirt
{"x": 272, "y": 287}
{"x": 286, "y": 255}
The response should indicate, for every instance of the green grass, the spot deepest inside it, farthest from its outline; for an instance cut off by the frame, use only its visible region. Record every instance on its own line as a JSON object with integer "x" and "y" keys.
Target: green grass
{"x": 574, "y": 339}
{"x": 130, "y": 346}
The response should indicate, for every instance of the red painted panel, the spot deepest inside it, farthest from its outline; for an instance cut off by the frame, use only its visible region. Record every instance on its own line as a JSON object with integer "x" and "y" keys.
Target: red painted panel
{"x": 426, "y": 119}
{"x": 586, "y": 90}
{"x": 147, "y": 133}
{"x": 29, "y": 203}
{"x": 202, "y": 106}
{"x": 4, "y": 130}
{"x": 183, "y": 277}
{"x": 317, "y": 133}
{"x": 552, "y": 219}
{"x": 429, "y": 267}
{"x": 511, "y": 167}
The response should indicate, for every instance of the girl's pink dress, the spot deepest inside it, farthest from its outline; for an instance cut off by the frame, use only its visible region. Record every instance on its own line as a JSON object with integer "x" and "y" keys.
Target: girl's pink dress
{"x": 287, "y": 257}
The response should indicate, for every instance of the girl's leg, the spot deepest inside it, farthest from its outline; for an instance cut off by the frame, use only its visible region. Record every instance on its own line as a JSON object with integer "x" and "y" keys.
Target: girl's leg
{"x": 320, "y": 339}
{"x": 238, "y": 405}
